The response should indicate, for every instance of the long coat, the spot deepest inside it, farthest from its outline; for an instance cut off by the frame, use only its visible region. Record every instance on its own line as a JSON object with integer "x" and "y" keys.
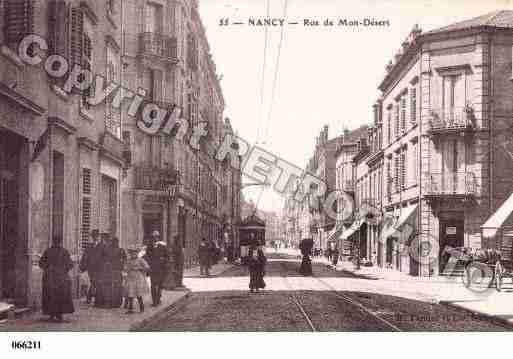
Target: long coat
{"x": 56, "y": 263}
{"x": 257, "y": 271}
{"x": 157, "y": 257}
{"x": 204, "y": 254}
{"x": 136, "y": 284}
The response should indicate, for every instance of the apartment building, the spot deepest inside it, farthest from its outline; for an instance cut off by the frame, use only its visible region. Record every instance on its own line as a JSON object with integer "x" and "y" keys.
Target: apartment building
{"x": 165, "y": 50}
{"x": 61, "y": 159}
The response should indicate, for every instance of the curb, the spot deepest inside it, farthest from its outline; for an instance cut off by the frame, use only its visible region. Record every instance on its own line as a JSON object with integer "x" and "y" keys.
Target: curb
{"x": 477, "y": 314}
{"x": 169, "y": 307}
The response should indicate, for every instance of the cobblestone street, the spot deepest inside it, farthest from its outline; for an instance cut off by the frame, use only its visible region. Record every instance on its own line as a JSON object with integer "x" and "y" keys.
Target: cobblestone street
{"x": 329, "y": 301}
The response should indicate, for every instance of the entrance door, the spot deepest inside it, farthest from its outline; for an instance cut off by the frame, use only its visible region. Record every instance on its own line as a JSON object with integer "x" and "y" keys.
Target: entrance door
{"x": 9, "y": 173}
{"x": 151, "y": 222}
{"x": 452, "y": 235}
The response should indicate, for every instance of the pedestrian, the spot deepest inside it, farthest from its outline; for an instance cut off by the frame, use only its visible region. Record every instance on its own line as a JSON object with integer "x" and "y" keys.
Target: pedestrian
{"x": 136, "y": 286}
{"x": 90, "y": 262}
{"x": 204, "y": 257}
{"x": 334, "y": 255}
{"x": 104, "y": 276}
{"x": 56, "y": 297}
{"x": 157, "y": 256}
{"x": 118, "y": 260}
{"x": 256, "y": 265}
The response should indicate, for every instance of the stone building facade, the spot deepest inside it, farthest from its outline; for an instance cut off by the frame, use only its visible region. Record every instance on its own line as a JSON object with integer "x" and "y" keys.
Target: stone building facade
{"x": 166, "y": 51}
{"x": 61, "y": 160}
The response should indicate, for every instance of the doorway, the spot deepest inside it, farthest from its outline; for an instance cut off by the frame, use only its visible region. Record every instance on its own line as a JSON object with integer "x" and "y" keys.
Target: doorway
{"x": 151, "y": 222}
{"x": 451, "y": 234}
{"x": 10, "y": 146}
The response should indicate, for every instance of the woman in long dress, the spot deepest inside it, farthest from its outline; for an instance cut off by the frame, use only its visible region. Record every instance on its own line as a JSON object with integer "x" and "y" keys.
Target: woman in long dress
{"x": 256, "y": 265}
{"x": 56, "y": 263}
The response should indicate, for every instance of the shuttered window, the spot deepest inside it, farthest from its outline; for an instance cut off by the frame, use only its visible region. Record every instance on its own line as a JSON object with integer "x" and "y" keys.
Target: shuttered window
{"x": 77, "y": 37}
{"x": 192, "y": 52}
{"x": 108, "y": 209}
{"x": 86, "y": 181}
{"x": 403, "y": 114}
{"x": 58, "y": 27}
{"x": 18, "y": 20}
{"x": 396, "y": 120}
{"x": 86, "y": 207}
{"x": 403, "y": 169}
{"x": 413, "y": 106}
{"x": 86, "y": 221}
{"x": 389, "y": 127}
{"x": 396, "y": 172}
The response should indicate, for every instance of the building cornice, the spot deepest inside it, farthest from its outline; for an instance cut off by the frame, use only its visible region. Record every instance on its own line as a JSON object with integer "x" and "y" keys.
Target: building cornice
{"x": 21, "y": 100}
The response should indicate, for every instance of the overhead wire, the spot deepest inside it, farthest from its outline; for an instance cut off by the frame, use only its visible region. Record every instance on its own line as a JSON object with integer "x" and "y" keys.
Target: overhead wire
{"x": 276, "y": 72}
{"x": 262, "y": 81}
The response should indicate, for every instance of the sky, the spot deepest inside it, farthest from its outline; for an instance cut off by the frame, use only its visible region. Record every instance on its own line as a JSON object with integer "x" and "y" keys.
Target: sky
{"x": 327, "y": 75}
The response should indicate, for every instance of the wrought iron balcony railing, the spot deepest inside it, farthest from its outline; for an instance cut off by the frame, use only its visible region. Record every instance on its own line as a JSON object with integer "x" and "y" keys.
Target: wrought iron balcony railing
{"x": 152, "y": 45}
{"x": 153, "y": 178}
{"x": 453, "y": 119}
{"x": 452, "y": 184}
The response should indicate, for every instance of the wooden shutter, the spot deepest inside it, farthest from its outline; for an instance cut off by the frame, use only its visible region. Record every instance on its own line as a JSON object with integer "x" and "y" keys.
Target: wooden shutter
{"x": 57, "y": 27}
{"x": 403, "y": 114}
{"x": 86, "y": 181}
{"x": 76, "y": 37}
{"x": 413, "y": 105}
{"x": 403, "y": 169}
{"x": 86, "y": 221}
{"x": 396, "y": 120}
{"x": 18, "y": 20}
{"x": 396, "y": 172}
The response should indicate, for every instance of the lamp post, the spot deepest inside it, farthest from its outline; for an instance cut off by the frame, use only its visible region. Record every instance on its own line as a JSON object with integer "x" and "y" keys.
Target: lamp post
{"x": 170, "y": 185}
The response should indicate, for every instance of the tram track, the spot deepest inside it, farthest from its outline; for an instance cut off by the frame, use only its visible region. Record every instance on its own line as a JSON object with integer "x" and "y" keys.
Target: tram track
{"x": 334, "y": 292}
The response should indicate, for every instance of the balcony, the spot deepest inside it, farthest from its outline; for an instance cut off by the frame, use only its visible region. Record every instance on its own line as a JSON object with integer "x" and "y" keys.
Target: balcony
{"x": 153, "y": 178}
{"x": 151, "y": 45}
{"x": 455, "y": 120}
{"x": 451, "y": 185}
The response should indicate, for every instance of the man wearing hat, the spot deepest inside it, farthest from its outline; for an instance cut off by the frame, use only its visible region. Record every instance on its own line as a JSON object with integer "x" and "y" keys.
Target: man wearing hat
{"x": 157, "y": 256}
{"x": 90, "y": 263}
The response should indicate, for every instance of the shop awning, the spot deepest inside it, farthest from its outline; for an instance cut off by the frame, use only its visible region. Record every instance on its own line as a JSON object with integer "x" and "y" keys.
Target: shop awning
{"x": 407, "y": 216}
{"x": 351, "y": 230}
{"x": 492, "y": 225}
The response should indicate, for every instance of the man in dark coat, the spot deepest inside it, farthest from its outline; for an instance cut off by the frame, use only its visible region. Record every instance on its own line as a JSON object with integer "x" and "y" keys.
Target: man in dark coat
{"x": 56, "y": 263}
{"x": 306, "y": 246}
{"x": 104, "y": 272}
{"x": 90, "y": 263}
{"x": 118, "y": 260}
{"x": 157, "y": 256}
{"x": 204, "y": 256}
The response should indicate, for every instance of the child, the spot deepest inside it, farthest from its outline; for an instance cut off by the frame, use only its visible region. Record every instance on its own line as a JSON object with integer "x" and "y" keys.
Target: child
{"x": 256, "y": 265}
{"x": 136, "y": 285}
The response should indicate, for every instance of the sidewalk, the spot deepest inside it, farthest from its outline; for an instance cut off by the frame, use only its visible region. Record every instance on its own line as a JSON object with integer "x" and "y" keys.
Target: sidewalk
{"x": 444, "y": 290}
{"x": 89, "y": 318}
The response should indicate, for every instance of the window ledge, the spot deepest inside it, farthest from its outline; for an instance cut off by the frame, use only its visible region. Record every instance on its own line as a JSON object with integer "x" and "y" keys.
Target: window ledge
{"x": 12, "y": 56}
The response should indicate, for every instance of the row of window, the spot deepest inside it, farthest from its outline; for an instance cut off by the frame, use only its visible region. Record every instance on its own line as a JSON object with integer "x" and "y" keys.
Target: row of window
{"x": 397, "y": 114}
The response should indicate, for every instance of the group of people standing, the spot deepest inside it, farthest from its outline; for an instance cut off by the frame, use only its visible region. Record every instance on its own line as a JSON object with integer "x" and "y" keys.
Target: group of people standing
{"x": 115, "y": 279}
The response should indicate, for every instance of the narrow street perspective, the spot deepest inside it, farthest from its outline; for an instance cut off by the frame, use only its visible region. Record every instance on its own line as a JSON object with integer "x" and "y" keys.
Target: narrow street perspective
{"x": 328, "y": 301}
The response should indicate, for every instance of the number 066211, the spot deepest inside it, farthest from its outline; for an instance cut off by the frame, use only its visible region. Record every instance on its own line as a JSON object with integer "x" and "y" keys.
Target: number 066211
{"x": 25, "y": 345}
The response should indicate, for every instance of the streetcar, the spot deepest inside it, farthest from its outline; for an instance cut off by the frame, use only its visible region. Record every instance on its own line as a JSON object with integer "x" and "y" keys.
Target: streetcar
{"x": 251, "y": 233}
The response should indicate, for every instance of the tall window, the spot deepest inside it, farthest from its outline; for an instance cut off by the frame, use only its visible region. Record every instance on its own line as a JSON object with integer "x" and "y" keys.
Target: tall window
{"x": 414, "y": 169}
{"x": 396, "y": 119}
{"x": 156, "y": 85}
{"x": 87, "y": 55}
{"x": 153, "y": 23}
{"x": 192, "y": 52}
{"x": 86, "y": 207}
{"x": 453, "y": 96}
{"x": 389, "y": 126}
{"x": 403, "y": 168}
{"x": 397, "y": 177}
{"x": 108, "y": 209}
{"x": 112, "y": 117}
{"x": 403, "y": 114}
{"x": 18, "y": 20}
{"x": 413, "y": 106}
